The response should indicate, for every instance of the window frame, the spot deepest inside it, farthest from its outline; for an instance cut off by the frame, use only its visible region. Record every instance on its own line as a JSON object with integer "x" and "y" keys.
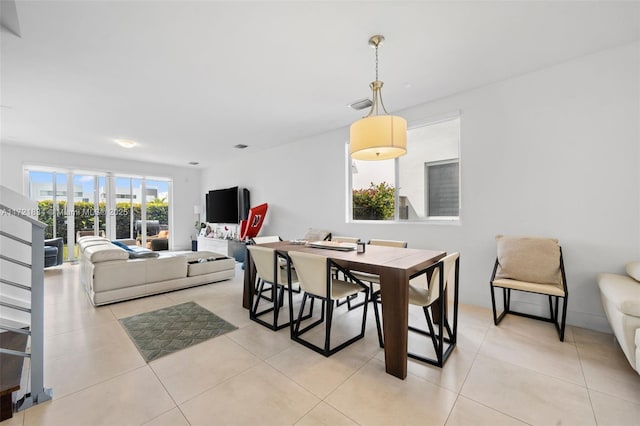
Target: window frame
{"x": 428, "y": 220}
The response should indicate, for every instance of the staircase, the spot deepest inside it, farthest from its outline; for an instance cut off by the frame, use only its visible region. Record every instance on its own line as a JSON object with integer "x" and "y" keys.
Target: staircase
{"x": 21, "y": 303}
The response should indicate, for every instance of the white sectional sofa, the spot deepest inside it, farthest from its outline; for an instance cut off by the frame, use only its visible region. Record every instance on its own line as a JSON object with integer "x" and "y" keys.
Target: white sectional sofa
{"x": 109, "y": 275}
{"x": 621, "y": 301}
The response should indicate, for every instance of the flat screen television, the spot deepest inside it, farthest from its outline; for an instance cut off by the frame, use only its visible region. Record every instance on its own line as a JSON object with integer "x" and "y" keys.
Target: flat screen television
{"x": 228, "y": 205}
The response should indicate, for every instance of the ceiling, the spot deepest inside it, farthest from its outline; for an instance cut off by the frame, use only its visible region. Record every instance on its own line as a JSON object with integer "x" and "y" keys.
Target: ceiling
{"x": 189, "y": 80}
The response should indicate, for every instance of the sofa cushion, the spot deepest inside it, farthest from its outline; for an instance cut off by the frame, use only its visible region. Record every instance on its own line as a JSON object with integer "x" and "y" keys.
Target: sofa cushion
{"x": 633, "y": 269}
{"x": 165, "y": 268}
{"x": 104, "y": 253}
{"x": 529, "y": 259}
{"x": 210, "y": 266}
{"x": 622, "y": 291}
{"x": 85, "y": 242}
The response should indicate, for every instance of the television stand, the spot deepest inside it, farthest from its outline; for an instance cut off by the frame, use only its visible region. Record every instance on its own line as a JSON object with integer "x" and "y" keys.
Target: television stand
{"x": 232, "y": 248}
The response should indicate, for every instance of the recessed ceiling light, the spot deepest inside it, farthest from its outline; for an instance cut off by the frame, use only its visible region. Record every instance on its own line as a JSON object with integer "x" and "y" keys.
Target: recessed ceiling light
{"x": 126, "y": 143}
{"x": 193, "y": 163}
{"x": 241, "y": 146}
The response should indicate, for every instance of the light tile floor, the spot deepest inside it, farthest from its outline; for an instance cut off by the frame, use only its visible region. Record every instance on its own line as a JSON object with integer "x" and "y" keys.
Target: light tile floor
{"x": 514, "y": 374}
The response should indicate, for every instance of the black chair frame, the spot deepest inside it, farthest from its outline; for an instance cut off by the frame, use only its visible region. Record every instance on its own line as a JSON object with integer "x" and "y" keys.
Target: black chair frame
{"x": 277, "y": 297}
{"x": 327, "y": 310}
{"x": 438, "y": 339}
{"x": 263, "y": 293}
{"x": 553, "y": 313}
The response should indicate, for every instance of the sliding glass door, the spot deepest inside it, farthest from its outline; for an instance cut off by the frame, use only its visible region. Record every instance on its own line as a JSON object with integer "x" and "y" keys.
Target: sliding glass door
{"x": 116, "y": 207}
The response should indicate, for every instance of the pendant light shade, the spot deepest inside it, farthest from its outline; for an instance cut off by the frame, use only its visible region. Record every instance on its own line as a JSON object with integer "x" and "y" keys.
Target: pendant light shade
{"x": 378, "y": 137}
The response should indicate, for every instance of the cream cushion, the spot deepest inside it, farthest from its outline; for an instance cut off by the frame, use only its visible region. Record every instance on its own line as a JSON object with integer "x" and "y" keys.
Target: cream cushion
{"x": 621, "y": 292}
{"x": 210, "y": 266}
{"x": 104, "y": 253}
{"x": 528, "y": 259}
{"x": 550, "y": 289}
{"x": 633, "y": 269}
{"x": 316, "y": 235}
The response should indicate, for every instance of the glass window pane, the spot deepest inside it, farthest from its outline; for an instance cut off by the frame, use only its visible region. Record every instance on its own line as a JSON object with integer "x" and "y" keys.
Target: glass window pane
{"x": 84, "y": 195}
{"x": 124, "y": 207}
{"x": 442, "y": 184}
{"x": 157, "y": 206}
{"x": 373, "y": 189}
{"x": 434, "y": 143}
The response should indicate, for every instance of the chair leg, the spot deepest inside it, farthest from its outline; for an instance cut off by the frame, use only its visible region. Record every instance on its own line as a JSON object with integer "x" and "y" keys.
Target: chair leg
{"x": 506, "y": 301}
{"x": 493, "y": 305}
{"x": 507, "y": 295}
{"x": 296, "y": 328}
{"x": 327, "y": 329}
{"x": 564, "y": 317}
{"x": 378, "y": 325}
{"x": 254, "y": 310}
{"x": 431, "y": 330}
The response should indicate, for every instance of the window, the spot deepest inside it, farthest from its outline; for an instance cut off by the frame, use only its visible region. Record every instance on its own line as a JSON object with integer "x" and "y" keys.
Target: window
{"x": 424, "y": 184}
{"x": 442, "y": 188}
{"x": 100, "y": 204}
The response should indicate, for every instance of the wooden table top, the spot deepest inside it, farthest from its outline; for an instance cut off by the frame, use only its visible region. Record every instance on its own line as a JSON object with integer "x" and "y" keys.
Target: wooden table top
{"x": 373, "y": 260}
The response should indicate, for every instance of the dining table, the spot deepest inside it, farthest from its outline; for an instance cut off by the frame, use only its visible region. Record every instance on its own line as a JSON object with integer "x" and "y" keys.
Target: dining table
{"x": 394, "y": 265}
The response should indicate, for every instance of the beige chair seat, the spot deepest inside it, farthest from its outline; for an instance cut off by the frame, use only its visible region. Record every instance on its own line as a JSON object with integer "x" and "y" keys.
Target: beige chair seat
{"x": 341, "y": 289}
{"x": 366, "y": 276}
{"x": 550, "y": 289}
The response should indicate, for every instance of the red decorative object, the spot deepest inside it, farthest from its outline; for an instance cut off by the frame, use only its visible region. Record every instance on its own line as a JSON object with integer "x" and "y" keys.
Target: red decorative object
{"x": 251, "y": 227}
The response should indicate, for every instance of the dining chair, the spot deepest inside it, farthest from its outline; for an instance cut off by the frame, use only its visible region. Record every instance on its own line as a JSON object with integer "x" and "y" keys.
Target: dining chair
{"x": 334, "y": 271}
{"x": 270, "y": 272}
{"x": 266, "y": 239}
{"x": 317, "y": 282}
{"x": 426, "y": 288}
{"x": 373, "y": 279}
{"x": 531, "y": 265}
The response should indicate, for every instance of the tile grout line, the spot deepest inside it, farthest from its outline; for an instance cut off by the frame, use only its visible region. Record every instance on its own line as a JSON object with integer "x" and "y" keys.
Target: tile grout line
{"x": 593, "y": 411}
{"x": 471, "y": 399}
{"x": 475, "y": 357}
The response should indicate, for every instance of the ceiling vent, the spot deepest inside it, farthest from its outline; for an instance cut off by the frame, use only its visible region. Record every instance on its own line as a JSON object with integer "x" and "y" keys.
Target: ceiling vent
{"x": 361, "y": 104}
{"x": 241, "y": 146}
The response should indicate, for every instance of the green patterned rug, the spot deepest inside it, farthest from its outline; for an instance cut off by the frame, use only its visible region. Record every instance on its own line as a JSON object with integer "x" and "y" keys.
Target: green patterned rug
{"x": 159, "y": 333}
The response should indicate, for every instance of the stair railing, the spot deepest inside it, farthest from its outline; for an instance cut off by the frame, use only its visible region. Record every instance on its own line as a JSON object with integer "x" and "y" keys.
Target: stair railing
{"x": 37, "y": 393}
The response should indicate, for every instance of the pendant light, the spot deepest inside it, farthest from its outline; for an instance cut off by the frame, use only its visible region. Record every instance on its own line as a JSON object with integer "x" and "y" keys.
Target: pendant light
{"x": 378, "y": 136}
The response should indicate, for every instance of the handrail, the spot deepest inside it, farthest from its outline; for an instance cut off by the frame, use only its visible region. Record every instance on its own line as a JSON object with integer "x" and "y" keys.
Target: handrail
{"x": 37, "y": 392}
{"x": 23, "y": 216}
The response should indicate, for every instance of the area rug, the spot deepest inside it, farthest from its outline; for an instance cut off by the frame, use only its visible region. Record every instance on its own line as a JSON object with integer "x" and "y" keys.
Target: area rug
{"x": 167, "y": 330}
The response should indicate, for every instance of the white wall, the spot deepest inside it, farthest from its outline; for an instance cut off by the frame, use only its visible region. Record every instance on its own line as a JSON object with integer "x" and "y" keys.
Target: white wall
{"x": 551, "y": 153}
{"x": 186, "y": 181}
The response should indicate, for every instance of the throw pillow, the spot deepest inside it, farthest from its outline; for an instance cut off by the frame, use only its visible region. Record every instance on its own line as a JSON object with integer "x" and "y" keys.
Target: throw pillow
{"x": 529, "y": 259}
{"x": 121, "y": 245}
{"x": 633, "y": 269}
